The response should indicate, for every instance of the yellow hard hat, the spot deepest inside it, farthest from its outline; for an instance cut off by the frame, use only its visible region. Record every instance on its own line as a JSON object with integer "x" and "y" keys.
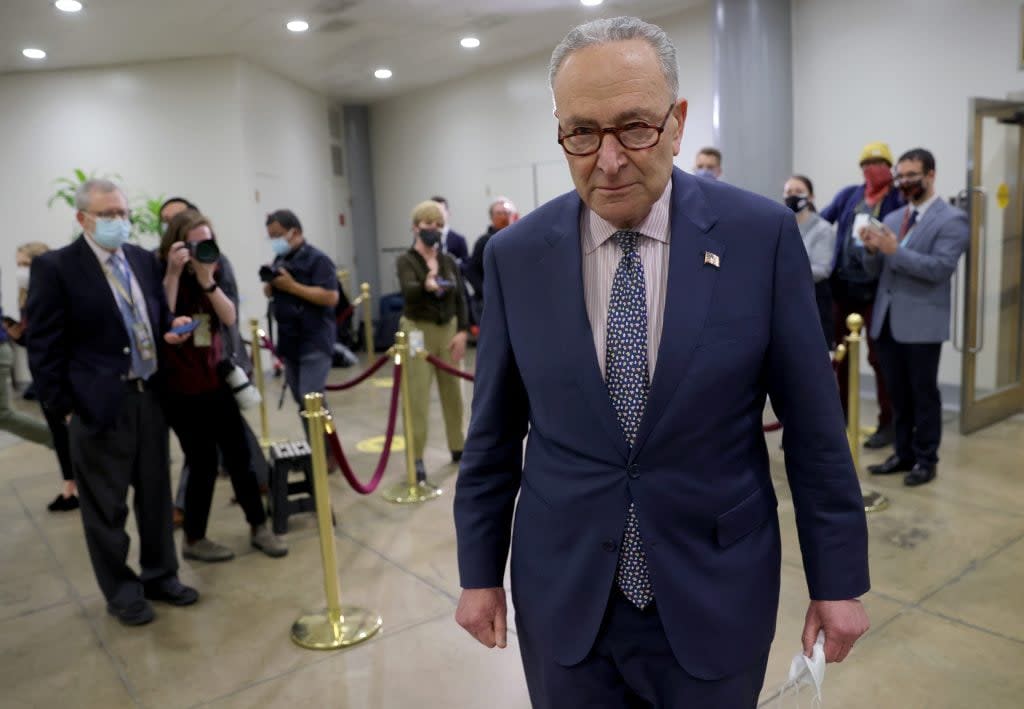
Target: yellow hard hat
{"x": 873, "y": 151}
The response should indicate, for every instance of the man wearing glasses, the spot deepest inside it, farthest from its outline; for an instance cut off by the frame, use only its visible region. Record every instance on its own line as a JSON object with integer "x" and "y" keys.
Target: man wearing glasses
{"x": 96, "y": 309}
{"x": 916, "y": 251}
{"x": 634, "y": 328}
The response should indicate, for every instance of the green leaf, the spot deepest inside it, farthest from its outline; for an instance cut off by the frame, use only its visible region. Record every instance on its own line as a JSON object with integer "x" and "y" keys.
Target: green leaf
{"x": 80, "y": 175}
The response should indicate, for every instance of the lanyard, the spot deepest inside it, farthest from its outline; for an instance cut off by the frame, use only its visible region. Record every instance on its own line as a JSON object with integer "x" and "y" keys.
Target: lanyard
{"x": 116, "y": 282}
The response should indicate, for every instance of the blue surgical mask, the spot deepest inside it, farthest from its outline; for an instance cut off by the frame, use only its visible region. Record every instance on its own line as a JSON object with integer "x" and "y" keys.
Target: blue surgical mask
{"x": 280, "y": 245}
{"x": 705, "y": 172}
{"x": 111, "y": 233}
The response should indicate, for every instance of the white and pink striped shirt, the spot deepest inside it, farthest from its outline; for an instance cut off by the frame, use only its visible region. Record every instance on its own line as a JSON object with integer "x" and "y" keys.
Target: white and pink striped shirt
{"x": 601, "y": 256}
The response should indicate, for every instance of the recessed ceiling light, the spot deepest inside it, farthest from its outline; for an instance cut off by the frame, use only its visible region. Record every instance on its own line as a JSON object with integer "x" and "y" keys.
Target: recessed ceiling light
{"x": 32, "y": 53}
{"x": 470, "y": 42}
{"x": 68, "y": 5}
{"x": 591, "y": 3}
{"x": 298, "y": 25}
{"x": 382, "y": 73}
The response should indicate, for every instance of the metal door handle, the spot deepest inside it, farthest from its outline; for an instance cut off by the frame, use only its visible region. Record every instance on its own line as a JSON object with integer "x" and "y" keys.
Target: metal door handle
{"x": 980, "y": 306}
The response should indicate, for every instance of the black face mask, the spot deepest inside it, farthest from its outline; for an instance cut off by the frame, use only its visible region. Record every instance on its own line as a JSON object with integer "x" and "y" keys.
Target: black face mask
{"x": 912, "y": 191}
{"x": 430, "y": 237}
{"x": 796, "y": 202}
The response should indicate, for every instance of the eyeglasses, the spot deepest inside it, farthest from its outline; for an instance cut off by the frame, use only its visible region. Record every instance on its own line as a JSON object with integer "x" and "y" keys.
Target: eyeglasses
{"x": 908, "y": 178}
{"x": 112, "y": 214}
{"x": 632, "y": 136}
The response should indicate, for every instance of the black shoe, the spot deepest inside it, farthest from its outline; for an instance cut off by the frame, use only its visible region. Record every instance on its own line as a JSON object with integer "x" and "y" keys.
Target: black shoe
{"x": 456, "y": 456}
{"x": 421, "y": 472}
{"x": 171, "y": 590}
{"x": 138, "y": 612}
{"x": 882, "y": 438}
{"x": 891, "y": 465}
{"x": 63, "y": 504}
{"x": 919, "y": 475}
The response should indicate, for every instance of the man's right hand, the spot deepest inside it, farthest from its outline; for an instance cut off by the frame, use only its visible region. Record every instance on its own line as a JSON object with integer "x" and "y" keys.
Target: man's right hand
{"x": 482, "y": 612}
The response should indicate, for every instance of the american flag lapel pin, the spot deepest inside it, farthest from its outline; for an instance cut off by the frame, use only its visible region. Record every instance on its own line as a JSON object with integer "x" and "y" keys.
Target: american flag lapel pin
{"x": 712, "y": 259}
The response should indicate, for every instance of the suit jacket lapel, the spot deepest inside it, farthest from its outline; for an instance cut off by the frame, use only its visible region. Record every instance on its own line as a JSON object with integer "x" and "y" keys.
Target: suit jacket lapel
{"x": 95, "y": 279}
{"x": 923, "y": 229}
{"x": 561, "y": 268}
{"x": 689, "y": 288}
{"x": 141, "y": 275}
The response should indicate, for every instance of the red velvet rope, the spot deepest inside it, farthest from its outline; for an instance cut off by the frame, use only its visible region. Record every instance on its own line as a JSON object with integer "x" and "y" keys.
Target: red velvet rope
{"x": 346, "y": 314}
{"x": 381, "y": 361}
{"x": 444, "y": 367}
{"x": 339, "y": 454}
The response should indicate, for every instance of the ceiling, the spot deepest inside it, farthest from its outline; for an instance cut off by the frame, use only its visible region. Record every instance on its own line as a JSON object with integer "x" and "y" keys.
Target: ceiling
{"x": 417, "y": 39}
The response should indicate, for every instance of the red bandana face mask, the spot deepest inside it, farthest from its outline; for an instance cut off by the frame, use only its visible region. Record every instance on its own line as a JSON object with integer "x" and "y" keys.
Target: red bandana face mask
{"x": 877, "y": 179}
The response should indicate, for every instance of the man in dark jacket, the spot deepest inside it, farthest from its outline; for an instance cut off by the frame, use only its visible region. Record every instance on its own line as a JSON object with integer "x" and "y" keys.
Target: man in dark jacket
{"x": 853, "y": 287}
{"x": 501, "y": 211}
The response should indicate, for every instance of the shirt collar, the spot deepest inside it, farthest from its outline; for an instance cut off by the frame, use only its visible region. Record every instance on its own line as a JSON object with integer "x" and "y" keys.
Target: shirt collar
{"x": 655, "y": 224}
{"x": 102, "y": 255}
{"x": 923, "y": 207}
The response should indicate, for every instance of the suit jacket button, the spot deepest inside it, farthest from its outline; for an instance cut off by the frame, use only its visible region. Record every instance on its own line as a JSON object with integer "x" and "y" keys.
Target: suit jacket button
{"x": 124, "y": 377}
{"x": 633, "y": 471}
{"x": 126, "y": 350}
{"x": 609, "y": 545}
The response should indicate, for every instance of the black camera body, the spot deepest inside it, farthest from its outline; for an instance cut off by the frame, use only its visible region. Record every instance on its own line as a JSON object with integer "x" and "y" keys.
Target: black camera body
{"x": 267, "y": 274}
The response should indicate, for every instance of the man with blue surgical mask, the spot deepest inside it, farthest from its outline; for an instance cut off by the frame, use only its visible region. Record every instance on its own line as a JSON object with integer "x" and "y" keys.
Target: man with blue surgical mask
{"x": 98, "y": 315}
{"x": 708, "y": 163}
{"x": 304, "y": 288}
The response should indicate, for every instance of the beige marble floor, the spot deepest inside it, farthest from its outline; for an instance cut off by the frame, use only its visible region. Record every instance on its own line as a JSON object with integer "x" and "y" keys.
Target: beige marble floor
{"x": 946, "y": 606}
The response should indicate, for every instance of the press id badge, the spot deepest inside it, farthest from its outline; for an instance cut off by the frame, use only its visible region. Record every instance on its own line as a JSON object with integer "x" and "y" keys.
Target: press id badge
{"x": 202, "y": 335}
{"x": 143, "y": 341}
{"x": 416, "y": 342}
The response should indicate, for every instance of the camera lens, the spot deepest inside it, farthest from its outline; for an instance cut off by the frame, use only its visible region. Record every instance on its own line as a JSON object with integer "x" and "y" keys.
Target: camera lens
{"x": 266, "y": 274}
{"x": 205, "y": 251}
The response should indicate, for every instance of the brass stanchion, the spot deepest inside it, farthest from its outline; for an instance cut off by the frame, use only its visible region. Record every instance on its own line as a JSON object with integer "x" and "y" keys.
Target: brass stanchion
{"x": 364, "y": 296}
{"x": 344, "y": 278}
{"x": 873, "y": 501}
{"x": 412, "y": 490}
{"x": 334, "y": 626}
{"x": 257, "y": 336}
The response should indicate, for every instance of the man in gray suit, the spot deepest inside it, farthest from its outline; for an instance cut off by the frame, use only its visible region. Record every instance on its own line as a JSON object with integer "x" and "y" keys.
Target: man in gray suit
{"x": 916, "y": 251}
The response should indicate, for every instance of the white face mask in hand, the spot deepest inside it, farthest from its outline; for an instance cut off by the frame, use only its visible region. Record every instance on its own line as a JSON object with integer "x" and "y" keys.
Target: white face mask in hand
{"x": 807, "y": 671}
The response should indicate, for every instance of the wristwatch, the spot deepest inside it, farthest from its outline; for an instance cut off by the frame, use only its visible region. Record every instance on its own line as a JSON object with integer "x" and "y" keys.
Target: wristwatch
{"x": 211, "y": 289}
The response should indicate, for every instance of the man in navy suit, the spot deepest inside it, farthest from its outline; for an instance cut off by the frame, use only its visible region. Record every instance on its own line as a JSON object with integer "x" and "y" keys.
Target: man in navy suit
{"x": 452, "y": 242}
{"x": 633, "y": 329}
{"x": 97, "y": 309}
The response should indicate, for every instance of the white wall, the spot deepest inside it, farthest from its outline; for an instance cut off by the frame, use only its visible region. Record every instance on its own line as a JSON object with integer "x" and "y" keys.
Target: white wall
{"x": 486, "y": 134}
{"x": 202, "y": 128}
{"x": 899, "y": 72}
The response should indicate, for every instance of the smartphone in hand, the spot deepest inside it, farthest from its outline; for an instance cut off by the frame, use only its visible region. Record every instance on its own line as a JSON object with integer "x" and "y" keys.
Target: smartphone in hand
{"x": 185, "y": 329}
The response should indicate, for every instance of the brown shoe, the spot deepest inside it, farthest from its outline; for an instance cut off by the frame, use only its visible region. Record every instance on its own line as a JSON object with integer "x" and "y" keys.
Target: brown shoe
{"x": 178, "y": 517}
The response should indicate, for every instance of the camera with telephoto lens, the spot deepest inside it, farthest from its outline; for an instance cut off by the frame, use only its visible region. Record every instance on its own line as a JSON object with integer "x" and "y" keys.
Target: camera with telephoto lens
{"x": 267, "y": 274}
{"x": 246, "y": 395}
{"x": 205, "y": 251}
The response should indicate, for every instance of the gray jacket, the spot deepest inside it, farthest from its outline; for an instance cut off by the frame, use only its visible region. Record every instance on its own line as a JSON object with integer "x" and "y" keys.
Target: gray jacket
{"x": 820, "y": 241}
{"x": 914, "y": 287}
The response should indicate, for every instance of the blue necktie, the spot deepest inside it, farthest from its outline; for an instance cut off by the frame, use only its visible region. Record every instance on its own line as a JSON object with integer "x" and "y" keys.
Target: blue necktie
{"x": 626, "y": 371}
{"x": 141, "y": 368}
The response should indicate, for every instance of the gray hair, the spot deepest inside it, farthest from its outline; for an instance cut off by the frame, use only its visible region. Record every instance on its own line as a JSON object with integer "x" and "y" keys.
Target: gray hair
{"x": 93, "y": 184}
{"x": 618, "y": 29}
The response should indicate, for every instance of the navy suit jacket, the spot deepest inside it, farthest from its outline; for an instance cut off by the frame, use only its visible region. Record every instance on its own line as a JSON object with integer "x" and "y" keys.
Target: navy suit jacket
{"x": 455, "y": 245}
{"x": 78, "y": 346}
{"x": 698, "y": 472}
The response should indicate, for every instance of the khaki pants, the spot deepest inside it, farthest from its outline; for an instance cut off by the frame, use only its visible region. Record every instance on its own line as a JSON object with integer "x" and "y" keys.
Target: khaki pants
{"x": 22, "y": 426}
{"x": 420, "y": 373}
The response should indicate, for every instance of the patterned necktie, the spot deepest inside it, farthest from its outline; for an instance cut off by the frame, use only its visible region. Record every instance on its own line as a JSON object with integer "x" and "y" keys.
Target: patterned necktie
{"x": 141, "y": 368}
{"x": 626, "y": 371}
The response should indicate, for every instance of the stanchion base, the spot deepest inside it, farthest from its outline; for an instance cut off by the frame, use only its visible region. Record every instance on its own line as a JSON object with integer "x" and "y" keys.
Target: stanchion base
{"x": 316, "y": 630}
{"x": 406, "y": 494}
{"x": 874, "y": 501}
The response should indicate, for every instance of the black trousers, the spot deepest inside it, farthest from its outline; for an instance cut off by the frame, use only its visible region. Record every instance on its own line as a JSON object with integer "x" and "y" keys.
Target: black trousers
{"x": 131, "y": 453}
{"x": 631, "y": 666}
{"x": 912, "y": 374}
{"x": 204, "y": 423}
{"x": 59, "y": 431}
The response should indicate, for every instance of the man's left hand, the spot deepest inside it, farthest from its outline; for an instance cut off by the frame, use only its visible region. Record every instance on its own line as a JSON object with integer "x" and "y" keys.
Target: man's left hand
{"x": 283, "y": 281}
{"x": 842, "y": 621}
{"x": 457, "y": 347}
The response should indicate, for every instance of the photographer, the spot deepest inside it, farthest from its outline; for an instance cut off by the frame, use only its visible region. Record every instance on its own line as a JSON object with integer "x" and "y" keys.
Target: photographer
{"x": 434, "y": 305}
{"x": 304, "y": 286}
{"x": 201, "y": 408}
